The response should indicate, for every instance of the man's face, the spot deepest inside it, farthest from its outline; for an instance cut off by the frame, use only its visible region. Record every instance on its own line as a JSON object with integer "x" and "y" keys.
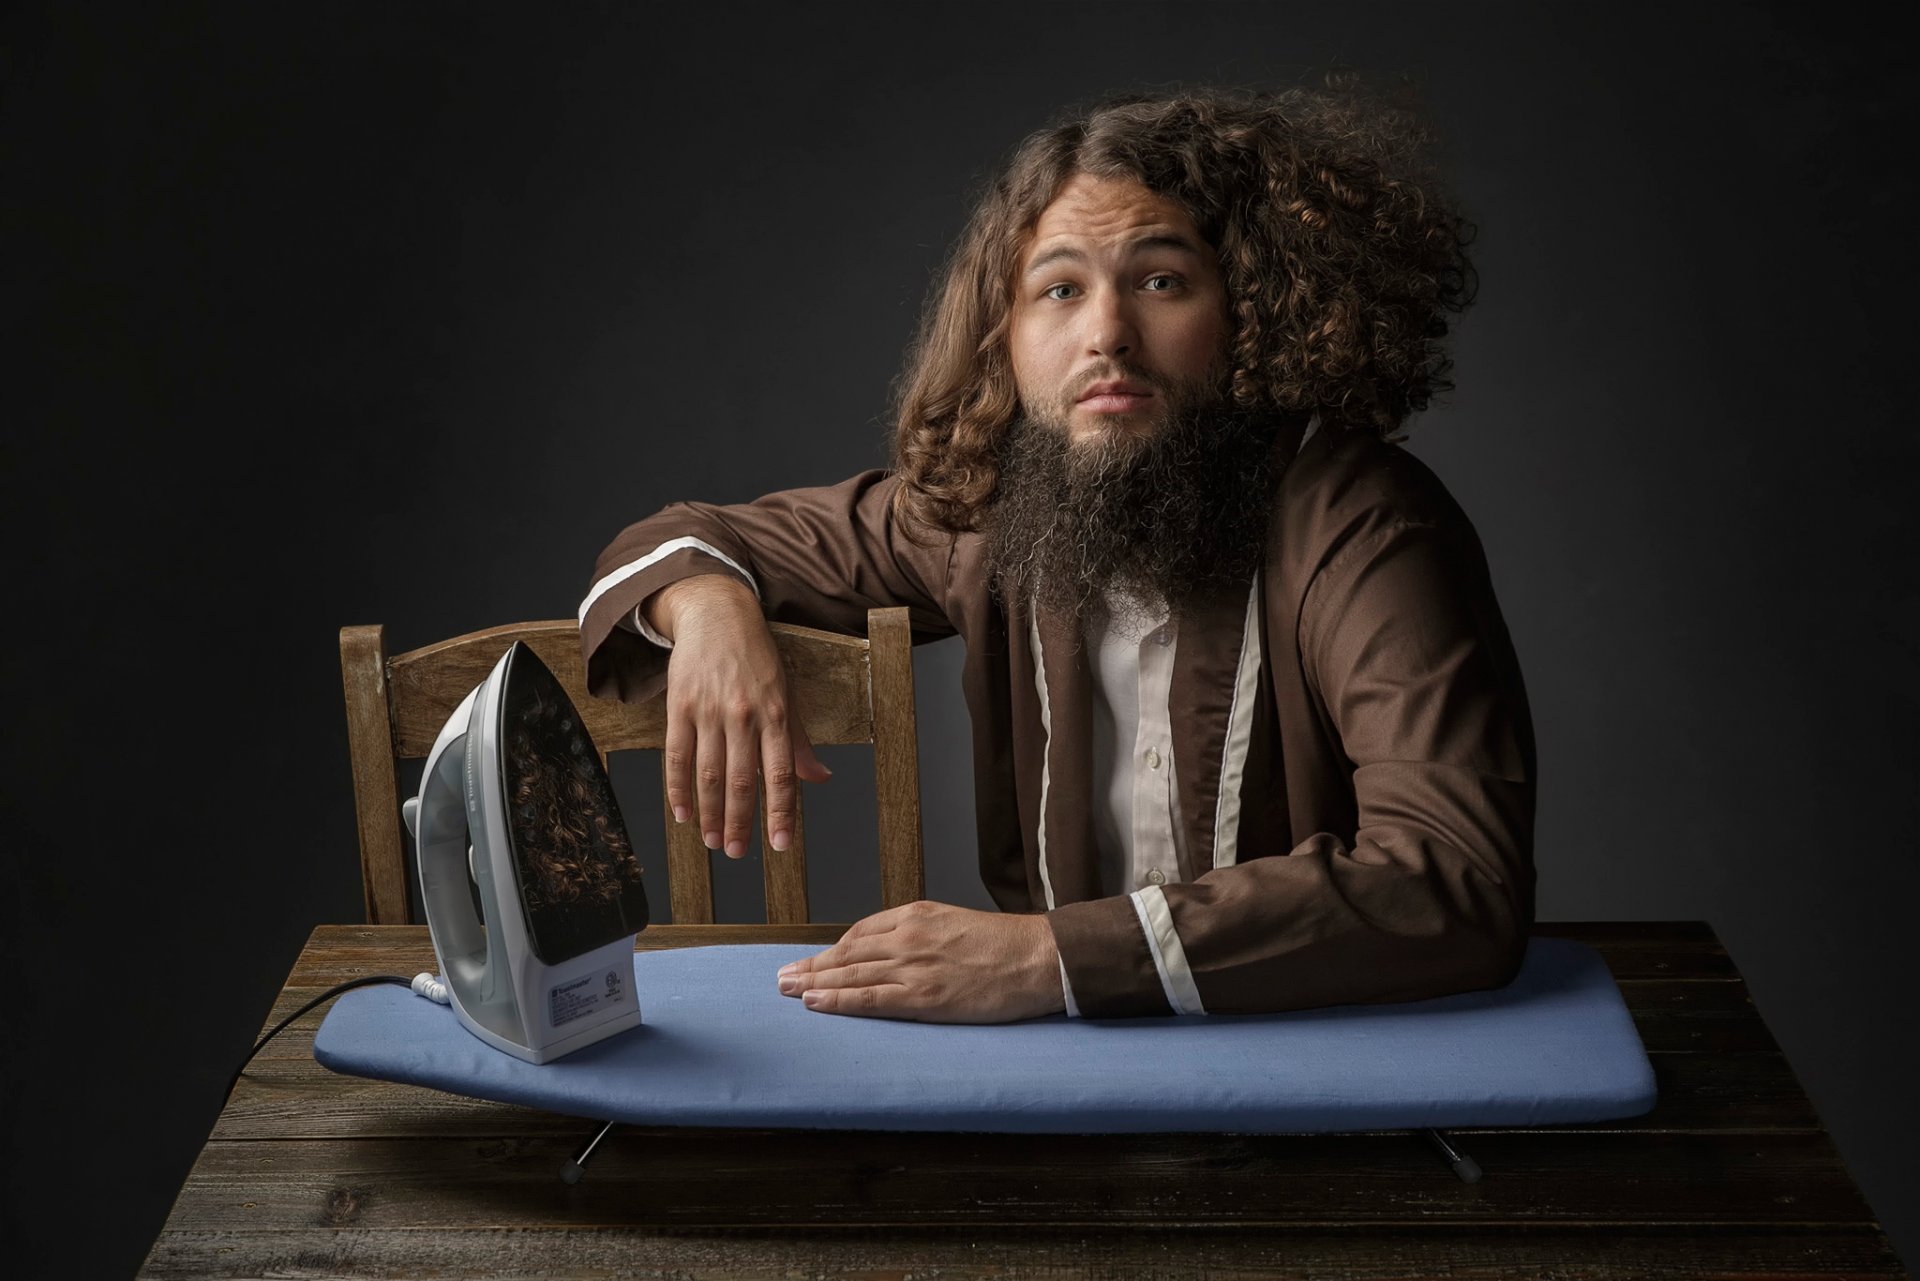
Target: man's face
{"x": 1119, "y": 312}
{"x": 1129, "y": 470}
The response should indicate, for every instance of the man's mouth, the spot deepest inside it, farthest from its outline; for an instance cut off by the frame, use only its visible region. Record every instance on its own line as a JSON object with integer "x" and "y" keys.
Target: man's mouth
{"x": 1115, "y": 397}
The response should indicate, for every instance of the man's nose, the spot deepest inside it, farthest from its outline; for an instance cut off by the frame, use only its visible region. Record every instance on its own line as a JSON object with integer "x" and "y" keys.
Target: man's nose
{"x": 1111, "y": 330}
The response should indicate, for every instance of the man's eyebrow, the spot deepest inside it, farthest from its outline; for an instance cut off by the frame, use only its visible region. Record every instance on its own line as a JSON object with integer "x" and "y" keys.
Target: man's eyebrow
{"x": 1157, "y": 240}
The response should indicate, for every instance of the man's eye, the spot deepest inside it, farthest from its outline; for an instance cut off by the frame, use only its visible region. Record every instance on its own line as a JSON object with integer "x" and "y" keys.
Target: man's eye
{"x": 1173, "y": 282}
{"x": 1051, "y": 294}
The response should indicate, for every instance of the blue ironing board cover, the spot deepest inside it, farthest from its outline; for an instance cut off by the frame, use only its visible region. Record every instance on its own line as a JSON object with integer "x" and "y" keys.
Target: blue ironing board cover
{"x": 721, "y": 1047}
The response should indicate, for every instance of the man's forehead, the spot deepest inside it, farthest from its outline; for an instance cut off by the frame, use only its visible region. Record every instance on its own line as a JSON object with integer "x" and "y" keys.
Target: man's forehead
{"x": 1110, "y": 213}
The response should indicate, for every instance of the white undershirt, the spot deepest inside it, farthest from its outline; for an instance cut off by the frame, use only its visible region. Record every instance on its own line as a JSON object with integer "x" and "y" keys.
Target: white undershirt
{"x": 1136, "y": 815}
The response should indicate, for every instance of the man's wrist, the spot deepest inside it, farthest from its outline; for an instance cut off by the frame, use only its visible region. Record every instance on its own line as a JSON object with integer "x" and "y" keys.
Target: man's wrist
{"x": 1049, "y": 970}
{"x": 662, "y": 609}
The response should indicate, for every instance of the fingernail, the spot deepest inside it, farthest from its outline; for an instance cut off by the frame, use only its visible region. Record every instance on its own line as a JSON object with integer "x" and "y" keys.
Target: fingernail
{"x": 679, "y": 813}
{"x": 789, "y": 983}
{"x": 811, "y": 997}
{"x": 736, "y": 849}
{"x": 780, "y": 840}
{"x": 712, "y": 839}
{"x": 789, "y": 968}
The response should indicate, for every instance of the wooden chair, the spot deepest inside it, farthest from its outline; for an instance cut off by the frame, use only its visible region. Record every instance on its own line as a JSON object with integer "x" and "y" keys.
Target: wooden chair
{"x": 849, "y": 690}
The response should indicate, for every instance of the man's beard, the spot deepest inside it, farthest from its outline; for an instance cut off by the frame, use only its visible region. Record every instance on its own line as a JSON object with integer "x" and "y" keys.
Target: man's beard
{"x": 1168, "y": 517}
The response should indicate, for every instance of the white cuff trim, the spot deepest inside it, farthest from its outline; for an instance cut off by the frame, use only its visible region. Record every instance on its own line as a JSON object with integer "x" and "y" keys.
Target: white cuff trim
{"x": 1169, "y": 958}
{"x": 640, "y": 625}
{"x": 1073, "y": 1010}
{"x": 653, "y": 557}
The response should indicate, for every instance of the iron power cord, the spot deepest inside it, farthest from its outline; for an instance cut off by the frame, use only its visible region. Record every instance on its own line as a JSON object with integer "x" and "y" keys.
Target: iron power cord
{"x": 327, "y": 995}
{"x": 434, "y": 989}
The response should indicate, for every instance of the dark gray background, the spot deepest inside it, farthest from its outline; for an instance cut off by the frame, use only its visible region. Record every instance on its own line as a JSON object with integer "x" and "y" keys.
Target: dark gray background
{"x": 396, "y": 313}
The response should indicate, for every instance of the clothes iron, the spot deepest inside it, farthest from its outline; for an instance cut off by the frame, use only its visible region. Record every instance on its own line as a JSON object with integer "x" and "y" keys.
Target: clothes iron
{"x": 532, "y": 892}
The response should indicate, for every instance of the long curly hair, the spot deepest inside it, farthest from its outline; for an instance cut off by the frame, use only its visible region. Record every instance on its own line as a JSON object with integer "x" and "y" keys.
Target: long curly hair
{"x": 1340, "y": 252}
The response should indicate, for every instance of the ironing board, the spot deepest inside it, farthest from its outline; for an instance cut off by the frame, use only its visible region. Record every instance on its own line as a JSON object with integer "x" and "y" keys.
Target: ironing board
{"x": 721, "y": 1047}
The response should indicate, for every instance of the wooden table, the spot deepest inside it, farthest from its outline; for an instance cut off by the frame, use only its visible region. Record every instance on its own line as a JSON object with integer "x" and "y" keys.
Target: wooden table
{"x": 308, "y": 1173}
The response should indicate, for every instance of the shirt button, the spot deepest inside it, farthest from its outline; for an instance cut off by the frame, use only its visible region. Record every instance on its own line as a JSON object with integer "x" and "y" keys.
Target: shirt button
{"x": 1153, "y": 759}
{"x": 1157, "y": 876}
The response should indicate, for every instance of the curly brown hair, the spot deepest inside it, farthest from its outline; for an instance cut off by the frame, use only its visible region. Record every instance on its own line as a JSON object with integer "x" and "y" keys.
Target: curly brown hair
{"x": 1341, "y": 256}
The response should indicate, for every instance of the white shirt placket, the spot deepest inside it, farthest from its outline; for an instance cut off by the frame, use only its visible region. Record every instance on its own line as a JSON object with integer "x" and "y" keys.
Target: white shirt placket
{"x": 1155, "y": 852}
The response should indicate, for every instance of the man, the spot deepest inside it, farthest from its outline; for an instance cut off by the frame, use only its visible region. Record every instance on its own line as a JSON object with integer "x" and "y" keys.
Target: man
{"x": 1249, "y": 733}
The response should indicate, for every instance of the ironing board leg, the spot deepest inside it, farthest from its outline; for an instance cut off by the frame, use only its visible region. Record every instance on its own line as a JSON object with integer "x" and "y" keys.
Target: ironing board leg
{"x": 1459, "y": 1162}
{"x": 573, "y": 1169}
{"x": 1464, "y": 1166}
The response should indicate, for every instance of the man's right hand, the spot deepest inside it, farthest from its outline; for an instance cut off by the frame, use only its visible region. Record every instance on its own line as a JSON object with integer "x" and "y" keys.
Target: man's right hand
{"x": 729, "y": 714}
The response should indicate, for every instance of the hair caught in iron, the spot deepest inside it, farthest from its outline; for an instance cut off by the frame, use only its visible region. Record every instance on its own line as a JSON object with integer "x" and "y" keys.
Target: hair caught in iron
{"x": 579, "y": 881}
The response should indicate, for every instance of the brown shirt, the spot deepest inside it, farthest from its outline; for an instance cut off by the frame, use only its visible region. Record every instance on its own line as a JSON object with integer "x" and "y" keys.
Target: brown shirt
{"x": 1353, "y": 749}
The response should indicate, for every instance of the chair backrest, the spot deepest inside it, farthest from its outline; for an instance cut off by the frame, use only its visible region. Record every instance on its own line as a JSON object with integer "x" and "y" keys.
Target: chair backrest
{"x": 849, "y": 690}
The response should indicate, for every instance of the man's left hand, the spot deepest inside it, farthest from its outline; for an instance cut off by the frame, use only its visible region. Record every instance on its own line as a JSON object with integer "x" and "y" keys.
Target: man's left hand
{"x": 935, "y": 963}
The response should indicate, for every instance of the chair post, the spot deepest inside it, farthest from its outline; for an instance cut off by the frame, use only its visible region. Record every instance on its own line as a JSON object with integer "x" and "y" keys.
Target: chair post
{"x": 376, "y": 783}
{"x": 896, "y": 757}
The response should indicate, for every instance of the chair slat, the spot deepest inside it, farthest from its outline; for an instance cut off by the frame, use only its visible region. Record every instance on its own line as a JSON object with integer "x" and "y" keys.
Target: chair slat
{"x": 896, "y": 760}
{"x": 827, "y": 679}
{"x": 689, "y": 865}
{"x": 429, "y": 682}
{"x": 784, "y": 872}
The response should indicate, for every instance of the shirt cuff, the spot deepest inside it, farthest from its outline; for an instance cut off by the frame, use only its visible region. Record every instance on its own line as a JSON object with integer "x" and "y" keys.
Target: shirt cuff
{"x": 640, "y": 625}
{"x": 1073, "y": 1011}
